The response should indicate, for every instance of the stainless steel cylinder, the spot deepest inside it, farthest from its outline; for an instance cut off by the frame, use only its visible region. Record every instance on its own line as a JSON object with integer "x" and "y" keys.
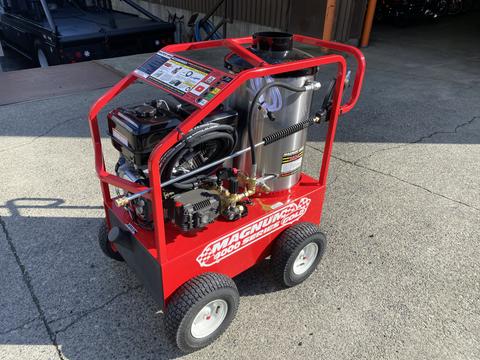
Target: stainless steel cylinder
{"x": 284, "y": 157}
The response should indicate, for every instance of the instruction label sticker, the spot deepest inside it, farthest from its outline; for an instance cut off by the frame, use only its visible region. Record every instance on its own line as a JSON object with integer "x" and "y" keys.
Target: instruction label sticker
{"x": 193, "y": 82}
{"x": 176, "y": 74}
{"x": 292, "y": 162}
{"x": 119, "y": 136}
{"x": 181, "y": 77}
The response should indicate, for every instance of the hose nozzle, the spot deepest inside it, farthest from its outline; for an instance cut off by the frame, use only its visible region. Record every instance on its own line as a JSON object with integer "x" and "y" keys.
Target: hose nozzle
{"x": 124, "y": 200}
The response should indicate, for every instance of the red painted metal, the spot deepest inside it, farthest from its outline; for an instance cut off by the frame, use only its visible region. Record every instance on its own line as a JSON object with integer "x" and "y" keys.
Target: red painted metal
{"x": 176, "y": 252}
{"x": 339, "y": 47}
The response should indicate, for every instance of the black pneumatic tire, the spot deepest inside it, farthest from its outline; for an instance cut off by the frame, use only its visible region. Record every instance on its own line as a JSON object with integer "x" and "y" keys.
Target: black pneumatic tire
{"x": 187, "y": 302}
{"x": 105, "y": 245}
{"x": 288, "y": 246}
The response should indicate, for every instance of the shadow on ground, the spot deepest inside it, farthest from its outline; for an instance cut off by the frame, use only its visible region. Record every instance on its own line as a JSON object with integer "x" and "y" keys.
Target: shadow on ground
{"x": 101, "y": 286}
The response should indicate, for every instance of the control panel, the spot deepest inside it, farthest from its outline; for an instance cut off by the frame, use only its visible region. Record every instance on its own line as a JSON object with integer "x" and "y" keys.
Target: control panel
{"x": 194, "y": 83}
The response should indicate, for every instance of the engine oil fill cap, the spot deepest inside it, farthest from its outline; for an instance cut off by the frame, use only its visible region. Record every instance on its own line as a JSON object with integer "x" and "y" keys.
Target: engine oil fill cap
{"x": 145, "y": 111}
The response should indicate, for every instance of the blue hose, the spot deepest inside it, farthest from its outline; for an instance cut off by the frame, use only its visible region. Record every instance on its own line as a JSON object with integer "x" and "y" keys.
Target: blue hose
{"x": 207, "y": 27}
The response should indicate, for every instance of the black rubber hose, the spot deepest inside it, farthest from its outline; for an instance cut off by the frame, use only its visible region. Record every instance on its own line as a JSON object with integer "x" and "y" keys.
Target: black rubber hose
{"x": 200, "y": 135}
{"x": 227, "y": 141}
{"x": 252, "y": 106}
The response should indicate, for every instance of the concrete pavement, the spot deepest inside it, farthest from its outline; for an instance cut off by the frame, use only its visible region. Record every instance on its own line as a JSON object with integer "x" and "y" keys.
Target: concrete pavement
{"x": 401, "y": 275}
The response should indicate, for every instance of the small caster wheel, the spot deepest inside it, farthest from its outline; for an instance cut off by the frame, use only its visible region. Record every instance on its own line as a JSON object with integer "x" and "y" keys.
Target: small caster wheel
{"x": 106, "y": 245}
{"x": 201, "y": 310}
{"x": 296, "y": 253}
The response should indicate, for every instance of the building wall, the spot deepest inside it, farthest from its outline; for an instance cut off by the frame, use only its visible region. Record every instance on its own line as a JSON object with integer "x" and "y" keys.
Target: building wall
{"x": 237, "y": 29}
{"x": 270, "y": 13}
{"x": 249, "y": 16}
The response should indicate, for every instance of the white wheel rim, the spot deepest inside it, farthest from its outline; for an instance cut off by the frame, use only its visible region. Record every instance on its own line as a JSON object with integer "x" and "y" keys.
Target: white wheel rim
{"x": 42, "y": 59}
{"x": 209, "y": 318}
{"x": 305, "y": 259}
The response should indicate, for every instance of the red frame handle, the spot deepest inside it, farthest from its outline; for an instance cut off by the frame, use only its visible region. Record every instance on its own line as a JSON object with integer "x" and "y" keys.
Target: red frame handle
{"x": 260, "y": 69}
{"x": 359, "y": 58}
{"x": 235, "y": 46}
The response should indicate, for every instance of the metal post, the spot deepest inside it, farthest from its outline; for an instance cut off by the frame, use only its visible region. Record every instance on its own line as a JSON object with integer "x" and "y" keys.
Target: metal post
{"x": 142, "y": 10}
{"x": 46, "y": 10}
{"x": 367, "y": 25}
{"x": 225, "y": 4}
{"x": 329, "y": 19}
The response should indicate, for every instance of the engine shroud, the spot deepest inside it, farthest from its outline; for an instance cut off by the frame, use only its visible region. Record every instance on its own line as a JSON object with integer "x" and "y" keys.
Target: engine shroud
{"x": 135, "y": 131}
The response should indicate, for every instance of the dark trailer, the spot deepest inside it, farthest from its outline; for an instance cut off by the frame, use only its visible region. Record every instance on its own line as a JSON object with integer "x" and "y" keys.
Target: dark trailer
{"x": 52, "y": 32}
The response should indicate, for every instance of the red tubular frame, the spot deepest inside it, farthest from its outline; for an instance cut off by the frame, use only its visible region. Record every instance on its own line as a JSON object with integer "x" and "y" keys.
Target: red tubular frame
{"x": 260, "y": 69}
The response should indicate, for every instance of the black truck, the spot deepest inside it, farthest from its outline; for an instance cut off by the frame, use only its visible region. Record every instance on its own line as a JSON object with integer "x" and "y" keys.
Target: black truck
{"x": 52, "y": 32}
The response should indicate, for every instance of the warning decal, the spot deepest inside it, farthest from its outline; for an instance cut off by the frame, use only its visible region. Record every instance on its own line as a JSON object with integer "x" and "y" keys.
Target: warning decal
{"x": 193, "y": 82}
{"x": 291, "y": 162}
{"x": 176, "y": 74}
{"x": 249, "y": 234}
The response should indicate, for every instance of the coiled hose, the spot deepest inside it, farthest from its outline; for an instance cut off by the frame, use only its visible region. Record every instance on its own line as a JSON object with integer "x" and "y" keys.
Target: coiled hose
{"x": 272, "y": 101}
{"x": 250, "y": 115}
{"x": 193, "y": 150}
{"x": 207, "y": 26}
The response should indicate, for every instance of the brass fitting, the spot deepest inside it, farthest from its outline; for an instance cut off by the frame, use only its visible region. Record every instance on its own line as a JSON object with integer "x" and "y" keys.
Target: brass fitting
{"x": 122, "y": 201}
{"x": 229, "y": 200}
{"x": 313, "y": 85}
{"x": 234, "y": 198}
{"x": 262, "y": 187}
{"x": 250, "y": 183}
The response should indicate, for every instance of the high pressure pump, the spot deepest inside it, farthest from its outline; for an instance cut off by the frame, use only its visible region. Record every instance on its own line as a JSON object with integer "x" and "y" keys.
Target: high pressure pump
{"x": 208, "y": 180}
{"x": 216, "y": 167}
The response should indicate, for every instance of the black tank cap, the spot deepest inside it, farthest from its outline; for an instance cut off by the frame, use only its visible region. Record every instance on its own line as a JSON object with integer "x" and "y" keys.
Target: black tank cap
{"x": 275, "y": 48}
{"x": 272, "y": 41}
{"x": 145, "y": 111}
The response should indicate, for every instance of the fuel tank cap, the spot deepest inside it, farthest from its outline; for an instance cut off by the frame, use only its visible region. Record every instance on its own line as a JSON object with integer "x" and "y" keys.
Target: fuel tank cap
{"x": 272, "y": 41}
{"x": 275, "y": 48}
{"x": 145, "y": 111}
